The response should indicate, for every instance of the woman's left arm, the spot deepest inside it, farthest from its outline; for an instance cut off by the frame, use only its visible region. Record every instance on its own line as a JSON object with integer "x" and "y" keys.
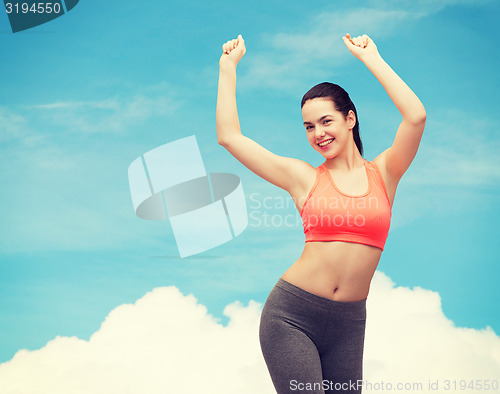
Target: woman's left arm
{"x": 404, "y": 148}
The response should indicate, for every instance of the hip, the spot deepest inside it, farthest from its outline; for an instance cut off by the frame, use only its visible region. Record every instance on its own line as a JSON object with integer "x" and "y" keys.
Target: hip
{"x": 317, "y": 316}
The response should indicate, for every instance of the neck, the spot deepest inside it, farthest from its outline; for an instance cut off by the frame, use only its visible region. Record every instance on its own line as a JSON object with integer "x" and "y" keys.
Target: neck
{"x": 347, "y": 160}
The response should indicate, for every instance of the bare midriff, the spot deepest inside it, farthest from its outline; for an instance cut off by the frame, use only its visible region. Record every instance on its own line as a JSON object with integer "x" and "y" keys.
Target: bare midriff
{"x": 340, "y": 271}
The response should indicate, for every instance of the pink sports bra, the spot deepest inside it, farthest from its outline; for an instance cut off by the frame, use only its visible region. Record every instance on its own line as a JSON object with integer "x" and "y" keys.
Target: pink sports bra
{"x": 329, "y": 214}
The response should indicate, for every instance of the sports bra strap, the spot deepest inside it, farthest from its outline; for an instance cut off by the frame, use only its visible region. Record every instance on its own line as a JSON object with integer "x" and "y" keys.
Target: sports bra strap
{"x": 316, "y": 182}
{"x": 380, "y": 179}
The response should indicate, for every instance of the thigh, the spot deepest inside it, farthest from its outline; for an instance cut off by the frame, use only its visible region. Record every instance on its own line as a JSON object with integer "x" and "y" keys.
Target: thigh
{"x": 342, "y": 356}
{"x": 290, "y": 353}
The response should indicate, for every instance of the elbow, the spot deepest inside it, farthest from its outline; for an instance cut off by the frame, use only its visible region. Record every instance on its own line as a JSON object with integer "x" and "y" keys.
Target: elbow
{"x": 220, "y": 139}
{"x": 417, "y": 119}
{"x": 423, "y": 117}
{"x": 222, "y": 133}
{"x": 224, "y": 142}
{"x": 225, "y": 138}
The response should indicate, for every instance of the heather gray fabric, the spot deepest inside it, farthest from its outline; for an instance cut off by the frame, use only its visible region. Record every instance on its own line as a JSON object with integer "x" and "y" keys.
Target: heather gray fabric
{"x": 312, "y": 344}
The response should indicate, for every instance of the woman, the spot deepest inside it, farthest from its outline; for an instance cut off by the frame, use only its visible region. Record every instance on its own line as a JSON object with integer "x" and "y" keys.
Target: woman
{"x": 313, "y": 322}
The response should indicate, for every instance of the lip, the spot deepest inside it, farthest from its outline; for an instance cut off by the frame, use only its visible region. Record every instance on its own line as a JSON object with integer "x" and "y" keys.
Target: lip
{"x": 326, "y": 146}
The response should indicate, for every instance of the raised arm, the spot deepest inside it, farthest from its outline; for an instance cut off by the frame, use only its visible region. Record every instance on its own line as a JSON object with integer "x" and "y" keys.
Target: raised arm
{"x": 399, "y": 156}
{"x": 284, "y": 172}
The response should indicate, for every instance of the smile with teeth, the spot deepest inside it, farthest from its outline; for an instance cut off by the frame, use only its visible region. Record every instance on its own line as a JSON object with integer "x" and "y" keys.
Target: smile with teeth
{"x": 326, "y": 142}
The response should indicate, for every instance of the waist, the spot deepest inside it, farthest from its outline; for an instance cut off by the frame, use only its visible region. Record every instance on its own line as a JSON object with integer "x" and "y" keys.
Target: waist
{"x": 371, "y": 240}
{"x": 339, "y": 271}
{"x": 305, "y": 303}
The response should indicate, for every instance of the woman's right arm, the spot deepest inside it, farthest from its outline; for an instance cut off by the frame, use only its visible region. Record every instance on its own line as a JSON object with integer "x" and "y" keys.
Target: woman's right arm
{"x": 287, "y": 173}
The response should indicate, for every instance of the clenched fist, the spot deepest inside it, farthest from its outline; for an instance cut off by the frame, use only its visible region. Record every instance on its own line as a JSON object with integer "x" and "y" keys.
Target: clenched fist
{"x": 233, "y": 51}
{"x": 361, "y": 46}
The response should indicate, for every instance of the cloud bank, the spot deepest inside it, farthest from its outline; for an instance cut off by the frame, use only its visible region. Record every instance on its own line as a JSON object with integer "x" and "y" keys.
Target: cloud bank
{"x": 168, "y": 342}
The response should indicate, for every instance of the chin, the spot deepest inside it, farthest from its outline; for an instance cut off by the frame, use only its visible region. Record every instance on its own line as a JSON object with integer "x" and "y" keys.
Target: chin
{"x": 328, "y": 155}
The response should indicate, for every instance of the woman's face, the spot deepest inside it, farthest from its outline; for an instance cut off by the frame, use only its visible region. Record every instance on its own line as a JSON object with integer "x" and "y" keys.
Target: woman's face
{"x": 327, "y": 126}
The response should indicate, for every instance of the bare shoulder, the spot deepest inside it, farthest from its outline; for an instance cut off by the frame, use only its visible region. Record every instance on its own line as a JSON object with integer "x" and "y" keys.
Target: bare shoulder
{"x": 391, "y": 182}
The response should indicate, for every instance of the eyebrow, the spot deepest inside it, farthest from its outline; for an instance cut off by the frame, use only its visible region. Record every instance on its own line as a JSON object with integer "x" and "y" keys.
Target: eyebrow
{"x": 320, "y": 119}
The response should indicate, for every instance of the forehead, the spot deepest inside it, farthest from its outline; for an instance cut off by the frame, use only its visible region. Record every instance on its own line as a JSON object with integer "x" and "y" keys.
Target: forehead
{"x": 318, "y": 107}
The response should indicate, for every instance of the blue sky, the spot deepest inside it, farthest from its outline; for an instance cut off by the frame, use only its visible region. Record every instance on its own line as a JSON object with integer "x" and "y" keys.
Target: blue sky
{"x": 84, "y": 95}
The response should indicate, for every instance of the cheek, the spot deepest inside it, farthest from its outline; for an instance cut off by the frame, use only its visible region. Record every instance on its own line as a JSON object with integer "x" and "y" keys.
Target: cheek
{"x": 343, "y": 134}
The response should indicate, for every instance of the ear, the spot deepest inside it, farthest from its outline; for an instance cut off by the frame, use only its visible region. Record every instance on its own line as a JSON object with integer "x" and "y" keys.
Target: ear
{"x": 351, "y": 119}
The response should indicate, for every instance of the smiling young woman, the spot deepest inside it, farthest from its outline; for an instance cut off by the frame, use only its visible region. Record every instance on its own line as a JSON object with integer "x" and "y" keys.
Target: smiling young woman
{"x": 313, "y": 322}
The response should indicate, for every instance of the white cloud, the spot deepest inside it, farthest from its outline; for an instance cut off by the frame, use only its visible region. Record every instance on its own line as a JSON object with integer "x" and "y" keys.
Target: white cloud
{"x": 64, "y": 198}
{"x": 286, "y": 60}
{"x": 286, "y": 55}
{"x": 458, "y": 149}
{"x": 409, "y": 339}
{"x": 422, "y": 8}
{"x": 167, "y": 342}
{"x": 14, "y": 127}
{"x": 62, "y": 188}
{"x": 105, "y": 104}
{"x": 114, "y": 114}
{"x": 110, "y": 115}
{"x": 164, "y": 343}
{"x": 328, "y": 28}
{"x": 456, "y": 167}
{"x": 448, "y": 164}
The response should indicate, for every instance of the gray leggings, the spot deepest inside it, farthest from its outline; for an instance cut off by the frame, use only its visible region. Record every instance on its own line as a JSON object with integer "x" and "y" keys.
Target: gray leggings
{"x": 312, "y": 344}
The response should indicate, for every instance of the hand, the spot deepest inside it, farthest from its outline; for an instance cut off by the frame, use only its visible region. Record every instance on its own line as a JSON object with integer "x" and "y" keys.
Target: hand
{"x": 361, "y": 46}
{"x": 233, "y": 51}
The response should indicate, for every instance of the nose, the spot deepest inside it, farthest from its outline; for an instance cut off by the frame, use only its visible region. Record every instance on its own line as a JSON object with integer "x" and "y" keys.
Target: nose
{"x": 319, "y": 132}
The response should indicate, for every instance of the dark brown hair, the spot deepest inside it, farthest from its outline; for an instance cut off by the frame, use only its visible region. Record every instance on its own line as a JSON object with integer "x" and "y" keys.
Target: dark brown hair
{"x": 342, "y": 103}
